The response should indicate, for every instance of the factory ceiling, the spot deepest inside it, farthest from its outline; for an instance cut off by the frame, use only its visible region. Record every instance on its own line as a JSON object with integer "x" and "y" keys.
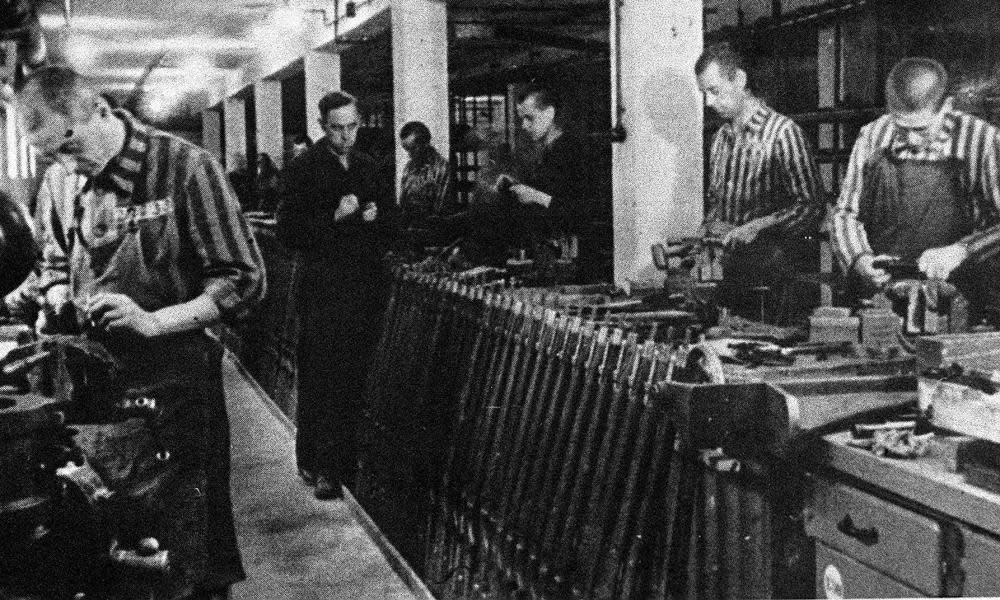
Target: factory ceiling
{"x": 196, "y": 50}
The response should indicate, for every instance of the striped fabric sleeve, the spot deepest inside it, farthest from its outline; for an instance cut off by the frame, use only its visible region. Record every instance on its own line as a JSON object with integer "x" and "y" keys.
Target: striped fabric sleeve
{"x": 799, "y": 174}
{"x": 442, "y": 183}
{"x": 51, "y": 201}
{"x": 850, "y": 241}
{"x": 232, "y": 271}
{"x": 985, "y": 243}
{"x": 714, "y": 209}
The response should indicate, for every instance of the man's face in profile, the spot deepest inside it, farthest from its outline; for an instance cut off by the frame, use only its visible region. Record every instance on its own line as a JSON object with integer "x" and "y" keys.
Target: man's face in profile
{"x": 413, "y": 145}
{"x": 722, "y": 94}
{"x": 57, "y": 136}
{"x": 536, "y": 120}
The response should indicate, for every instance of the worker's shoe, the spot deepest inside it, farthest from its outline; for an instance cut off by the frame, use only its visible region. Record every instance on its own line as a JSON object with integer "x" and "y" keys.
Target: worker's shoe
{"x": 328, "y": 488}
{"x": 308, "y": 477}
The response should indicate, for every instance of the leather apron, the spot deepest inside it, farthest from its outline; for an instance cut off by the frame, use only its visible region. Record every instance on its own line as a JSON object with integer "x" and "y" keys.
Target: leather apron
{"x": 910, "y": 206}
{"x": 173, "y": 469}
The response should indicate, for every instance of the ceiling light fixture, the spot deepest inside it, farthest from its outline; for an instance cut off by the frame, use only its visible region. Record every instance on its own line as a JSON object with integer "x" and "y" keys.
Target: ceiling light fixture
{"x": 287, "y": 17}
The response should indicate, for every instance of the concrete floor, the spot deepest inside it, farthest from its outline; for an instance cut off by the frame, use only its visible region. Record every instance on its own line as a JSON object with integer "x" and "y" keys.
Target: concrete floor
{"x": 294, "y": 546}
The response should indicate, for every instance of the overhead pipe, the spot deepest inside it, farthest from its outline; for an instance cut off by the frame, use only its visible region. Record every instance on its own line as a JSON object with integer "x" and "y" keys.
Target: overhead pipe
{"x": 618, "y": 133}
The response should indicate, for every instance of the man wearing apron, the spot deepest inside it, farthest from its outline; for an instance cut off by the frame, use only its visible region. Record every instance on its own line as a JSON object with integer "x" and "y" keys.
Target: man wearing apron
{"x": 142, "y": 257}
{"x": 923, "y": 185}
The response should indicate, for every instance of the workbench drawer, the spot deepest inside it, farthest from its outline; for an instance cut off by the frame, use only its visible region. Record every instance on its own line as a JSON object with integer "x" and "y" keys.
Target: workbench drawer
{"x": 892, "y": 539}
{"x": 981, "y": 564}
{"x": 840, "y": 576}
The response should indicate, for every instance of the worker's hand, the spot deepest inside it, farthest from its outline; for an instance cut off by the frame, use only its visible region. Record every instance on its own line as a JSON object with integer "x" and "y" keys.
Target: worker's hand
{"x": 117, "y": 312}
{"x": 56, "y": 308}
{"x": 528, "y": 195}
{"x": 22, "y": 305}
{"x": 371, "y": 212}
{"x": 348, "y": 206}
{"x": 56, "y": 297}
{"x": 864, "y": 267}
{"x": 503, "y": 183}
{"x": 938, "y": 263}
{"x": 744, "y": 234}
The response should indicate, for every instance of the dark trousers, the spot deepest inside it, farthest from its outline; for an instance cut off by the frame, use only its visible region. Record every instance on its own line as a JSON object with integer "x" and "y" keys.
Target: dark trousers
{"x": 762, "y": 281}
{"x": 338, "y": 331}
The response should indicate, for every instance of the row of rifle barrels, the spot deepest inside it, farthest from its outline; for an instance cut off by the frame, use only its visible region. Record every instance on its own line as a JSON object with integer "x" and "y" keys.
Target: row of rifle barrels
{"x": 512, "y": 448}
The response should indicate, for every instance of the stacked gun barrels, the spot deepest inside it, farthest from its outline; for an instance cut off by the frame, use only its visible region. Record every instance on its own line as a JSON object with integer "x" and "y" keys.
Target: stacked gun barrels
{"x": 513, "y": 448}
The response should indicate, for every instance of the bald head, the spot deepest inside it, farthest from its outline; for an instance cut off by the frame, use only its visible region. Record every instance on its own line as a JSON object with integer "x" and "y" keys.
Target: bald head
{"x": 916, "y": 85}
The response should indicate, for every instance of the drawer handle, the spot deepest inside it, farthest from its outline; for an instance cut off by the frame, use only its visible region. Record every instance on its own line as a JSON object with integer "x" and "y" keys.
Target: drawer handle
{"x": 866, "y": 535}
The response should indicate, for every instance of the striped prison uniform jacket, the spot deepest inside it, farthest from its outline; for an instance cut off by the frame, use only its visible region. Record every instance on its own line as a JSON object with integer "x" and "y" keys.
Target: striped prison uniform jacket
{"x": 160, "y": 179}
{"x": 764, "y": 168}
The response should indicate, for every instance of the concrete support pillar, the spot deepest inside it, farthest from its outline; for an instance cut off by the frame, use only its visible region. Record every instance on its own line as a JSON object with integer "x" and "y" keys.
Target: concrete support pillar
{"x": 234, "y": 111}
{"x": 830, "y": 136}
{"x": 211, "y": 132}
{"x": 512, "y": 122}
{"x": 657, "y": 171}
{"x": 267, "y": 104}
{"x": 420, "y": 70}
{"x": 322, "y": 75}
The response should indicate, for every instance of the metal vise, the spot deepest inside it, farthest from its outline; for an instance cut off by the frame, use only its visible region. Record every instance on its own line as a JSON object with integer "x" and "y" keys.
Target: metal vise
{"x": 928, "y": 306}
{"x": 60, "y": 522}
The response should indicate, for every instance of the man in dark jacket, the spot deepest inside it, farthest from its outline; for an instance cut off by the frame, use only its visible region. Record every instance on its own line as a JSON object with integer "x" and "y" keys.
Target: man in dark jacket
{"x": 546, "y": 198}
{"x": 336, "y": 211}
{"x": 558, "y": 180}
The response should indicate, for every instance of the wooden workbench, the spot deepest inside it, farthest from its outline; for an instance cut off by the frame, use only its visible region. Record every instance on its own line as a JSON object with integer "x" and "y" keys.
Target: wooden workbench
{"x": 888, "y": 527}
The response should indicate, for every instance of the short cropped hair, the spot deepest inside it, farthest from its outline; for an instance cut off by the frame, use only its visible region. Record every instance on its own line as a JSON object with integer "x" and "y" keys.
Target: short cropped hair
{"x": 724, "y": 55}
{"x": 543, "y": 95}
{"x": 914, "y": 84}
{"x": 418, "y": 129}
{"x": 301, "y": 138}
{"x": 58, "y": 85}
{"x": 333, "y": 101}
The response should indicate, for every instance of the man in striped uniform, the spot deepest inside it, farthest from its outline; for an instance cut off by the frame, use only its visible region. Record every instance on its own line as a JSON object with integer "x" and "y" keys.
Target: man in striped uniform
{"x": 142, "y": 258}
{"x": 764, "y": 196}
{"x": 923, "y": 185}
{"x": 426, "y": 186}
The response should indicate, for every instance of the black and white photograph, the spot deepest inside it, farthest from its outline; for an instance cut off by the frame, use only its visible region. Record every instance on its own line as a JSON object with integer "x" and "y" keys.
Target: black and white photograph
{"x": 499, "y": 299}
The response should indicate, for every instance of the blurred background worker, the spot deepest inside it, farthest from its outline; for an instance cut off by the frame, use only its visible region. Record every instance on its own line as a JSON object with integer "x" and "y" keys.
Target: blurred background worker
{"x": 427, "y": 189}
{"x": 266, "y": 184}
{"x": 923, "y": 185}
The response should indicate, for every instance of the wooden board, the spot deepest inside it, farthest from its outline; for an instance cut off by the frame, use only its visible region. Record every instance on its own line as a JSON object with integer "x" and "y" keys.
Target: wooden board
{"x": 925, "y": 481}
{"x": 960, "y": 408}
{"x": 971, "y": 350}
